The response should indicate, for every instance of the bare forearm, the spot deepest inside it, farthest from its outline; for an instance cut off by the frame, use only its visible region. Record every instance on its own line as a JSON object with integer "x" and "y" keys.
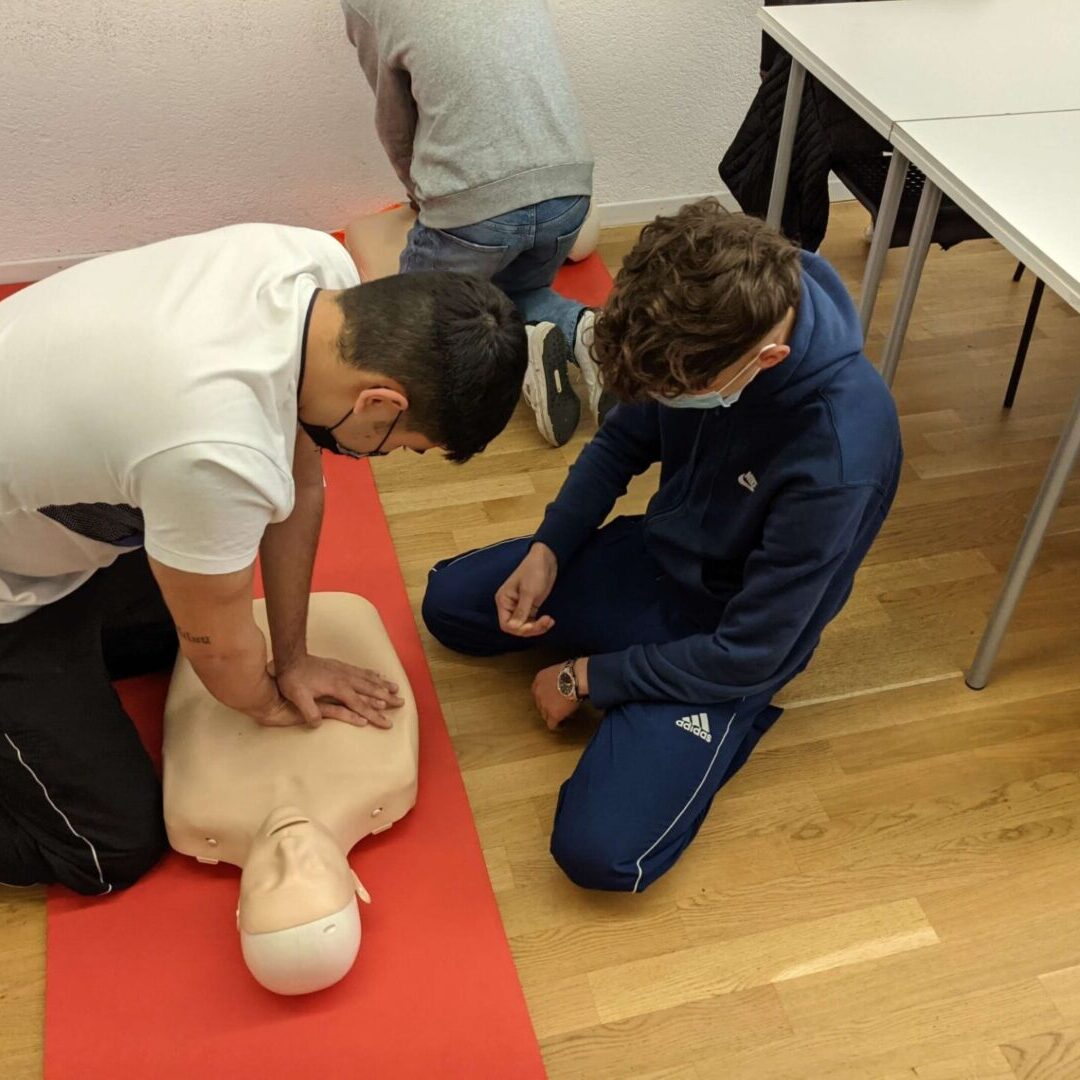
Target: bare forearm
{"x": 288, "y": 556}
{"x": 233, "y": 670}
{"x": 219, "y": 638}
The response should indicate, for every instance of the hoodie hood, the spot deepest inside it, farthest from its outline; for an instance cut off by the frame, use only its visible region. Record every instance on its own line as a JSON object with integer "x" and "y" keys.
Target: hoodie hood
{"x": 826, "y": 336}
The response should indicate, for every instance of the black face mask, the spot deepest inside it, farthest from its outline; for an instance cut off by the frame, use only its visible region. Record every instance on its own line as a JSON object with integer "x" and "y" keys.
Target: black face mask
{"x": 323, "y": 438}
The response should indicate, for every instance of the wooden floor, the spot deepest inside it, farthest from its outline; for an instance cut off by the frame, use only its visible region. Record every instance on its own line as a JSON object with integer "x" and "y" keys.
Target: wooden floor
{"x": 891, "y": 887}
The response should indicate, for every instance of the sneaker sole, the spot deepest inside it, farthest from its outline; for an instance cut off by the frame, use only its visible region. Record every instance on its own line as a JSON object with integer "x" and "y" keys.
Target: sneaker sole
{"x": 554, "y": 401}
{"x": 600, "y": 401}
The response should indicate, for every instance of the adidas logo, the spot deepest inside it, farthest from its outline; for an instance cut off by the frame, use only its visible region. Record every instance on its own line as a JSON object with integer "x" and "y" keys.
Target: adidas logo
{"x": 698, "y": 725}
{"x": 748, "y": 481}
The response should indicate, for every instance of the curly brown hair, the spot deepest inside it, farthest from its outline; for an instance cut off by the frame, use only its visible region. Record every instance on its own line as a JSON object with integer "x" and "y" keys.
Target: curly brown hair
{"x": 697, "y": 291}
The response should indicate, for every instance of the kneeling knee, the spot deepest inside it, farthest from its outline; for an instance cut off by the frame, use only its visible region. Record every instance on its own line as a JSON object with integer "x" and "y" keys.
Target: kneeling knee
{"x": 129, "y": 856}
{"x": 452, "y": 613}
{"x": 94, "y": 869}
{"x": 589, "y": 859}
{"x": 128, "y": 866}
{"x": 443, "y": 608}
{"x": 438, "y": 608}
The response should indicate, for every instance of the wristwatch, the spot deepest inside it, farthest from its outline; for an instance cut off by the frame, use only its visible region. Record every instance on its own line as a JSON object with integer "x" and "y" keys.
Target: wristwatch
{"x": 567, "y": 681}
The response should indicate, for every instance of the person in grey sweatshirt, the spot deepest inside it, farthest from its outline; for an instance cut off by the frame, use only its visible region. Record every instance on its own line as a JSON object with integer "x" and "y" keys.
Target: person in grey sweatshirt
{"x": 475, "y": 110}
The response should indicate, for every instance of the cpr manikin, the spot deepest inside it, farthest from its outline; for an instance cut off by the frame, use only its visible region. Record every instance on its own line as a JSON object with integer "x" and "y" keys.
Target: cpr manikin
{"x": 287, "y": 804}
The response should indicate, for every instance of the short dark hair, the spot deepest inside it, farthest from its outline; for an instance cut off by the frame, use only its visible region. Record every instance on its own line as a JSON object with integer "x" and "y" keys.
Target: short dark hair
{"x": 696, "y": 292}
{"x": 455, "y": 343}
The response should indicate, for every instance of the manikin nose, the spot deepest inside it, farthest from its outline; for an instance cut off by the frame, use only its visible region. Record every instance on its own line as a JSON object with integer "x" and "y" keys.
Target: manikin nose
{"x": 290, "y": 857}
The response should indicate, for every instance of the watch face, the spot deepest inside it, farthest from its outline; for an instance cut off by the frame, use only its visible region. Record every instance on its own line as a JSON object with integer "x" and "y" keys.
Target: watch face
{"x": 566, "y": 684}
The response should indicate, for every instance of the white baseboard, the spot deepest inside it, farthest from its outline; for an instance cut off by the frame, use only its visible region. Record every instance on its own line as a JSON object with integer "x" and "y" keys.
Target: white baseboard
{"x": 837, "y": 191}
{"x": 35, "y": 269}
{"x": 643, "y": 210}
{"x": 610, "y": 215}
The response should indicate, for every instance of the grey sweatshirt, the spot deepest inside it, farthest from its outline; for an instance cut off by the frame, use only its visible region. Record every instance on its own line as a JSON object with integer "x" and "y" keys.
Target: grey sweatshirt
{"x": 472, "y": 104}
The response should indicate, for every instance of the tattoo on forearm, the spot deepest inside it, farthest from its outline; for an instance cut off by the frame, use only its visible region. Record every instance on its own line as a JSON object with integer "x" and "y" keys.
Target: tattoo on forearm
{"x": 198, "y": 639}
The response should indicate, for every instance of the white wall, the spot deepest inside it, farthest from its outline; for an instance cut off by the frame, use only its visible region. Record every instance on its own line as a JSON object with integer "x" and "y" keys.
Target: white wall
{"x": 123, "y": 122}
{"x": 664, "y": 85}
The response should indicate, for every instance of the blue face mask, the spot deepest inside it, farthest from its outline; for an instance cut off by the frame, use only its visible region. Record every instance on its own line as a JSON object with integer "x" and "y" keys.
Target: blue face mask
{"x": 715, "y": 400}
{"x": 723, "y": 398}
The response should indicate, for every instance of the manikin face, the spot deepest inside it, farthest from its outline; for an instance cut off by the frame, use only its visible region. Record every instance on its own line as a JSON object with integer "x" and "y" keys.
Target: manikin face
{"x": 295, "y": 873}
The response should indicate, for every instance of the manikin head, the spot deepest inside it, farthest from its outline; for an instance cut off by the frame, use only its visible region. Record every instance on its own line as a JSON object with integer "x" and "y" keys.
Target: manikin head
{"x": 298, "y": 916}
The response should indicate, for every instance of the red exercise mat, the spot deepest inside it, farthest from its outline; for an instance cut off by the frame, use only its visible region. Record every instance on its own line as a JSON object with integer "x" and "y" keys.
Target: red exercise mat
{"x": 150, "y": 984}
{"x": 588, "y": 281}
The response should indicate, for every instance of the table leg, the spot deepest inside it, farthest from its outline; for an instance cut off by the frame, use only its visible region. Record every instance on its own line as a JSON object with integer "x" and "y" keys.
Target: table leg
{"x": 921, "y": 233}
{"x": 790, "y": 122}
{"x": 883, "y": 230}
{"x": 1057, "y": 476}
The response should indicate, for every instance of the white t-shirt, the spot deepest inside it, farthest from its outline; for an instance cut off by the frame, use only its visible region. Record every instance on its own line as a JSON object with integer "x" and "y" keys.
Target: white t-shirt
{"x": 148, "y": 398}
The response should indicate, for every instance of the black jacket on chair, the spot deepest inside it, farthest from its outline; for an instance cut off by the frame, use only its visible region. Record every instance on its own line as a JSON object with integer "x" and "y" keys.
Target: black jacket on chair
{"x": 829, "y": 137}
{"x": 825, "y": 125}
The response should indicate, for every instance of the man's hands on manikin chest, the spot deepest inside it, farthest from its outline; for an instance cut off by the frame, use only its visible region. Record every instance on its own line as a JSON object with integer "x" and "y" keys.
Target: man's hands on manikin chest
{"x": 310, "y": 688}
{"x": 315, "y": 688}
{"x": 219, "y": 637}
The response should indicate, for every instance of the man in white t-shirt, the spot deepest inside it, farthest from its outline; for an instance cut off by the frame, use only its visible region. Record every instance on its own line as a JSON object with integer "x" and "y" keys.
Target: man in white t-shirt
{"x": 163, "y": 413}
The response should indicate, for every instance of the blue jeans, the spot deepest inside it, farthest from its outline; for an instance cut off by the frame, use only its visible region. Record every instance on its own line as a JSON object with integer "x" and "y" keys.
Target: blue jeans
{"x": 647, "y": 778}
{"x": 520, "y": 252}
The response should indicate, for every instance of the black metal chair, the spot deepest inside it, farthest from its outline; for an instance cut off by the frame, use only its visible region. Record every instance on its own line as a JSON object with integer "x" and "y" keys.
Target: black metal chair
{"x": 1025, "y": 336}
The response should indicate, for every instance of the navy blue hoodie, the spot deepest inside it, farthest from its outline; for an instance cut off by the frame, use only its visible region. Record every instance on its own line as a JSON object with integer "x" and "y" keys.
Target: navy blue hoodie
{"x": 763, "y": 514}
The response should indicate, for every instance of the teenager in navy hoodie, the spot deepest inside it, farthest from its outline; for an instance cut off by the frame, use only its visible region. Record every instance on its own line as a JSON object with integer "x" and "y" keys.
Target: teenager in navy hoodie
{"x": 739, "y": 359}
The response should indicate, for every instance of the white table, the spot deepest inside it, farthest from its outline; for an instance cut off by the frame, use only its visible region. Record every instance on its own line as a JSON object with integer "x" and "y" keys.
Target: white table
{"x": 893, "y": 61}
{"x": 1016, "y": 176}
{"x": 984, "y": 97}
{"x": 897, "y": 60}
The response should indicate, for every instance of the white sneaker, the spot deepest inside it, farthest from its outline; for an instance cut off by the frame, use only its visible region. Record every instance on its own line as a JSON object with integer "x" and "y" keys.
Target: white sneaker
{"x": 600, "y": 401}
{"x": 547, "y": 386}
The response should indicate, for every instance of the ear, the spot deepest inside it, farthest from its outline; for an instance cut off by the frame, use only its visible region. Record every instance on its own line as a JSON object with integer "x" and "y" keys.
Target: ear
{"x": 772, "y": 355}
{"x": 360, "y": 891}
{"x": 381, "y": 395}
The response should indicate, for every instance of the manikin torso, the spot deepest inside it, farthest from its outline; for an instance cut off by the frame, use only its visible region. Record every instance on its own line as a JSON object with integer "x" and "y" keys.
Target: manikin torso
{"x": 288, "y": 804}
